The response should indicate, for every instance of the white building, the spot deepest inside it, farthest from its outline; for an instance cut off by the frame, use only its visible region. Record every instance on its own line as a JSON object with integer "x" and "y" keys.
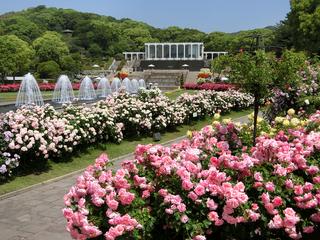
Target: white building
{"x": 173, "y": 51}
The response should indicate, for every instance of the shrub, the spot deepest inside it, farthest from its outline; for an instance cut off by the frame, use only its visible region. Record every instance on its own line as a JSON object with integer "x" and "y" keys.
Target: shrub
{"x": 210, "y": 86}
{"x": 35, "y": 134}
{"x": 49, "y": 69}
{"x": 211, "y": 186}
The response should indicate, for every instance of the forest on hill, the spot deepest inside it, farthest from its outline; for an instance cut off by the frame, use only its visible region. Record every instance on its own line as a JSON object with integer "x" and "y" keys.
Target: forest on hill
{"x": 51, "y": 40}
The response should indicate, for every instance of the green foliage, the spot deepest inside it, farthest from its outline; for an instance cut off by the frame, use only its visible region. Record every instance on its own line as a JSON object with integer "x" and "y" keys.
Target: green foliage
{"x": 22, "y": 28}
{"x": 301, "y": 27}
{"x": 221, "y": 65}
{"x": 69, "y": 65}
{"x": 15, "y": 55}
{"x": 287, "y": 67}
{"x": 50, "y": 47}
{"x": 310, "y": 104}
{"x": 252, "y": 72}
{"x": 49, "y": 69}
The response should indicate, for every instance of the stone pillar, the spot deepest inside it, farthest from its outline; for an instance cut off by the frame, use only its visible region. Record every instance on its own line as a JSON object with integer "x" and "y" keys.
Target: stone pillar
{"x": 155, "y": 51}
{"x": 169, "y": 51}
{"x": 177, "y": 48}
{"x": 184, "y": 51}
{"x": 162, "y": 51}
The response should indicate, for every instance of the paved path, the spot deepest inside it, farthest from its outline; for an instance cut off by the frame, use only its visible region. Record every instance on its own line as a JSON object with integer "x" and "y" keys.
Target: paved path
{"x": 37, "y": 214}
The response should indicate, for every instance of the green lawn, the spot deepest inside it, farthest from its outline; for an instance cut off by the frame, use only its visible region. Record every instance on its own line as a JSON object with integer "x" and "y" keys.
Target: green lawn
{"x": 176, "y": 93}
{"x": 11, "y": 96}
{"x": 86, "y": 157}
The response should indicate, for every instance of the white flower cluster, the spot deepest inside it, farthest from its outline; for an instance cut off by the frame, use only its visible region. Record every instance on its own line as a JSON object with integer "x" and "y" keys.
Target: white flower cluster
{"x": 42, "y": 132}
{"x": 32, "y": 134}
{"x": 209, "y": 102}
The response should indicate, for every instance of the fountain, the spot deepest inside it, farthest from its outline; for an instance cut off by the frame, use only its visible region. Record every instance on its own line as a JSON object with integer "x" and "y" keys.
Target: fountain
{"x": 126, "y": 84}
{"x": 134, "y": 86}
{"x": 29, "y": 92}
{"x": 86, "y": 91}
{"x": 142, "y": 83}
{"x": 104, "y": 88}
{"x": 63, "y": 92}
{"x": 115, "y": 85}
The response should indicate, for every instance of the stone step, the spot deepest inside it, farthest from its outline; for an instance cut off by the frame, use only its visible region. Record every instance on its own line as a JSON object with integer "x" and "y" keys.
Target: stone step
{"x": 163, "y": 80}
{"x": 163, "y": 84}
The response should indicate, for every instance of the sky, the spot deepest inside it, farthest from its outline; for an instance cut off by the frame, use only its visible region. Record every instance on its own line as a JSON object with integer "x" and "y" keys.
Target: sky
{"x": 205, "y": 15}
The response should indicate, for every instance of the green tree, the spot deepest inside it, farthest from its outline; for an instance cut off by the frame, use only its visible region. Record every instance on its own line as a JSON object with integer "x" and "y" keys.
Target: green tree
{"x": 15, "y": 55}
{"x": 95, "y": 50}
{"x": 301, "y": 27}
{"x": 70, "y": 65}
{"x": 254, "y": 74}
{"x": 287, "y": 67}
{"x": 22, "y": 28}
{"x": 50, "y": 47}
{"x": 139, "y": 36}
{"x": 221, "y": 65}
{"x": 49, "y": 69}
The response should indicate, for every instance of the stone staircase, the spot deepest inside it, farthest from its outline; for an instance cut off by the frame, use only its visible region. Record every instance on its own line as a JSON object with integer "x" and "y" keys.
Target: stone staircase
{"x": 166, "y": 80}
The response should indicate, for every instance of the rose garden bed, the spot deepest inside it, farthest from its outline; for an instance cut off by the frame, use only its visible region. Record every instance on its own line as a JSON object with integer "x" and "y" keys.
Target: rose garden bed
{"x": 215, "y": 185}
{"x": 31, "y": 136}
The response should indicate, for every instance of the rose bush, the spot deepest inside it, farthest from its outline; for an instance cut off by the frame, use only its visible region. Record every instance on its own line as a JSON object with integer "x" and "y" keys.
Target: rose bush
{"x": 30, "y": 136}
{"x": 14, "y": 87}
{"x": 209, "y": 86}
{"x": 210, "y": 186}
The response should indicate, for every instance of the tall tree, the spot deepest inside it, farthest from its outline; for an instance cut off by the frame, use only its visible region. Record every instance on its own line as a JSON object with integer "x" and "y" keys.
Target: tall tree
{"x": 15, "y": 55}
{"x": 254, "y": 74}
{"x": 50, "y": 47}
{"x": 301, "y": 28}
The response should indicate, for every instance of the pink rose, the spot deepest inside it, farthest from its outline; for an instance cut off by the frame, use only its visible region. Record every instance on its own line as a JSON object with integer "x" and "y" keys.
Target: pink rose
{"x": 277, "y": 201}
{"x": 270, "y": 186}
{"x": 211, "y": 204}
{"x": 184, "y": 219}
{"x": 199, "y": 190}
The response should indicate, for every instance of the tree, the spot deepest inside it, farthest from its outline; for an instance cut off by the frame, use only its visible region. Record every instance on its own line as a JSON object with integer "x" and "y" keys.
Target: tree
{"x": 69, "y": 65}
{"x": 254, "y": 74}
{"x": 221, "y": 64}
{"x": 50, "y": 47}
{"x": 22, "y": 28}
{"x": 301, "y": 27}
{"x": 49, "y": 69}
{"x": 287, "y": 81}
{"x": 139, "y": 36}
{"x": 15, "y": 55}
{"x": 95, "y": 50}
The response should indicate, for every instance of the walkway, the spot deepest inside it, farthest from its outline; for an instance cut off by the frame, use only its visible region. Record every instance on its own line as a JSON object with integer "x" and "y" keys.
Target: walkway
{"x": 37, "y": 214}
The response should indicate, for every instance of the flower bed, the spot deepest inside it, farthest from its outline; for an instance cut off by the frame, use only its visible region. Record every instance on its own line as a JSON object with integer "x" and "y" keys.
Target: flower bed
{"x": 29, "y": 136}
{"x": 211, "y": 186}
{"x": 209, "y": 86}
{"x": 14, "y": 87}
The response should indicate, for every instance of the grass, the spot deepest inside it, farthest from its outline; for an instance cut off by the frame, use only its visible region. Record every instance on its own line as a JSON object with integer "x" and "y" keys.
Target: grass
{"x": 11, "y": 96}
{"x": 176, "y": 93}
{"x": 84, "y": 158}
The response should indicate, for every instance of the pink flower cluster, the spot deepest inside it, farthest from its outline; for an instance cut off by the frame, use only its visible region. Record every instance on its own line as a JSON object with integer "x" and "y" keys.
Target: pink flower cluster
{"x": 99, "y": 187}
{"x": 209, "y": 86}
{"x": 271, "y": 189}
{"x": 14, "y": 87}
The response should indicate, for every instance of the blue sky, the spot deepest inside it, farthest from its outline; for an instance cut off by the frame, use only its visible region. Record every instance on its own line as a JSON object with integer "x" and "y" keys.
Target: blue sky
{"x": 205, "y": 15}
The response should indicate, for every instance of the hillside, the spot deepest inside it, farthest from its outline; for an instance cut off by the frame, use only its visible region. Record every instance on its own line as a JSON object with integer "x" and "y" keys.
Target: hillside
{"x": 96, "y": 38}
{"x": 96, "y": 35}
